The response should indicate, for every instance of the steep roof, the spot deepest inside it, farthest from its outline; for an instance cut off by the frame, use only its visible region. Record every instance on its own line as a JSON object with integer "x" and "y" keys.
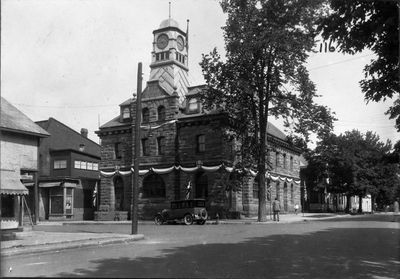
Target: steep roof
{"x": 11, "y": 119}
{"x": 115, "y": 122}
{"x": 64, "y": 137}
{"x": 274, "y": 131}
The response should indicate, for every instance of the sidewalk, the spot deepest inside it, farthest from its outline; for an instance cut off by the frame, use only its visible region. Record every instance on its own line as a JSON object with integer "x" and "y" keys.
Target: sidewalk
{"x": 29, "y": 242}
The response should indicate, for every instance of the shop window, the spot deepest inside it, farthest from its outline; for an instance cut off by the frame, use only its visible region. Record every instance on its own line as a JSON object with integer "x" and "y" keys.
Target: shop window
{"x": 60, "y": 164}
{"x": 161, "y": 113}
{"x": 56, "y": 200}
{"x": 161, "y": 145}
{"x": 145, "y": 115}
{"x": 7, "y": 206}
{"x": 153, "y": 186}
{"x": 201, "y": 143}
{"x": 69, "y": 201}
{"x": 95, "y": 166}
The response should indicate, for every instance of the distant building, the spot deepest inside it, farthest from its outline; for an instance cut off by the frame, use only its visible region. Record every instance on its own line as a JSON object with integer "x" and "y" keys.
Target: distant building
{"x": 180, "y": 144}
{"x": 20, "y": 139}
{"x": 69, "y": 173}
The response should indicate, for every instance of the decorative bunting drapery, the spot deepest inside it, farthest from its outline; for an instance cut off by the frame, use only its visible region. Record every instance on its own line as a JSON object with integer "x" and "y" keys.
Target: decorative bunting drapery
{"x": 194, "y": 169}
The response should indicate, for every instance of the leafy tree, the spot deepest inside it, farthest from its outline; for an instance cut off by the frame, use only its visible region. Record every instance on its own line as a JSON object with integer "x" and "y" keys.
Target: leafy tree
{"x": 360, "y": 24}
{"x": 263, "y": 75}
{"x": 356, "y": 164}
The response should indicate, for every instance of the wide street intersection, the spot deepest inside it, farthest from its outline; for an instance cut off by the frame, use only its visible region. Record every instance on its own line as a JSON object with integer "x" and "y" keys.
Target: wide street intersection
{"x": 349, "y": 247}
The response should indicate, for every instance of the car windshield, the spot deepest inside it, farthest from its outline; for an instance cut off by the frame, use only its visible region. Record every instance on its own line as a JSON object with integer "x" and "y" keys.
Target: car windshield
{"x": 187, "y": 204}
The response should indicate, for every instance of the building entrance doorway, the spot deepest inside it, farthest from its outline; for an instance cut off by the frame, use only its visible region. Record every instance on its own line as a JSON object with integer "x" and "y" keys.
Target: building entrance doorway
{"x": 119, "y": 193}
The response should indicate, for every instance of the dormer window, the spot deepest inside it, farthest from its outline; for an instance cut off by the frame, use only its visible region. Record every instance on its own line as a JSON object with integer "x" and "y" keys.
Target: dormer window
{"x": 193, "y": 105}
{"x": 126, "y": 114}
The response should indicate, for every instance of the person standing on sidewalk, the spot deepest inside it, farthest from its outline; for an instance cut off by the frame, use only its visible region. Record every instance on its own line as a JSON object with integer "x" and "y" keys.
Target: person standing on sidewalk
{"x": 276, "y": 207}
{"x": 296, "y": 208}
{"x": 395, "y": 209}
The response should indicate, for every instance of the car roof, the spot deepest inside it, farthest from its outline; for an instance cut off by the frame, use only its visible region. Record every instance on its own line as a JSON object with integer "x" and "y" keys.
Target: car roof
{"x": 189, "y": 200}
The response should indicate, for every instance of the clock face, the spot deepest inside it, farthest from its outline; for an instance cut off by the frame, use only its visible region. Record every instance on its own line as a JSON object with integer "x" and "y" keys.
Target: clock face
{"x": 180, "y": 43}
{"x": 162, "y": 41}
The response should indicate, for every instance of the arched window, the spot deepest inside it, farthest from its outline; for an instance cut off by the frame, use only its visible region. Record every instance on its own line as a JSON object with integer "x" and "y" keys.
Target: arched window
{"x": 278, "y": 190}
{"x": 145, "y": 115}
{"x": 153, "y": 186}
{"x": 277, "y": 155}
{"x": 161, "y": 145}
{"x": 268, "y": 182}
{"x": 285, "y": 197}
{"x": 291, "y": 163}
{"x": 291, "y": 194}
{"x": 119, "y": 193}
{"x": 201, "y": 186}
{"x": 193, "y": 105}
{"x": 255, "y": 187}
{"x": 284, "y": 161}
{"x": 161, "y": 113}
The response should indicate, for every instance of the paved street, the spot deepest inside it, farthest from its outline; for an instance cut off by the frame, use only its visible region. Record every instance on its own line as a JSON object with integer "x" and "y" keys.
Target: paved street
{"x": 354, "y": 247}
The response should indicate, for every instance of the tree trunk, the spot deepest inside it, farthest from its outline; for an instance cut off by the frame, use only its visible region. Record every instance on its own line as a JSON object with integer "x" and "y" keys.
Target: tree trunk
{"x": 359, "y": 203}
{"x": 262, "y": 205}
{"x": 348, "y": 203}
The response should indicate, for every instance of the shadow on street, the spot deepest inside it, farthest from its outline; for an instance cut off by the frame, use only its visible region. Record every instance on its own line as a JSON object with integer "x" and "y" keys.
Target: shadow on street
{"x": 333, "y": 253}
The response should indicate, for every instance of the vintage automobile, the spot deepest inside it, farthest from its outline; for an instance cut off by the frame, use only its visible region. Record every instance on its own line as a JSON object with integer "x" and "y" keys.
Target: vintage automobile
{"x": 188, "y": 211}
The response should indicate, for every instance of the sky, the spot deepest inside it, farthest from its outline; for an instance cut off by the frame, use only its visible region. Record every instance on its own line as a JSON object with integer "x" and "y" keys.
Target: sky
{"x": 77, "y": 60}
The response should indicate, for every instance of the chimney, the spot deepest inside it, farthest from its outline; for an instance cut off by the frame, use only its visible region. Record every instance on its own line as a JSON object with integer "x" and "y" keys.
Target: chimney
{"x": 84, "y": 132}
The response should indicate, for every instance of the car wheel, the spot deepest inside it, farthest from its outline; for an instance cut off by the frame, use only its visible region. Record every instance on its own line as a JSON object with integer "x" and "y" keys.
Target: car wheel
{"x": 188, "y": 219}
{"x": 158, "y": 220}
{"x": 203, "y": 214}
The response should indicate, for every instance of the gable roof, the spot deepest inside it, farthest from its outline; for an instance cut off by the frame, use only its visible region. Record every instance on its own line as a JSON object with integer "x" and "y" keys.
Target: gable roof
{"x": 274, "y": 131}
{"x": 11, "y": 119}
{"x": 65, "y": 138}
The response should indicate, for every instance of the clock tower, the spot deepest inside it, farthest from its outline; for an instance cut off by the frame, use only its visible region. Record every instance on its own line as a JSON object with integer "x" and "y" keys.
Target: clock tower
{"x": 169, "y": 58}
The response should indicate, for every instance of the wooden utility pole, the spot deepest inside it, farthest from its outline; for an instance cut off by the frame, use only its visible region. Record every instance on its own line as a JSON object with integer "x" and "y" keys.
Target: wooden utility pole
{"x": 136, "y": 155}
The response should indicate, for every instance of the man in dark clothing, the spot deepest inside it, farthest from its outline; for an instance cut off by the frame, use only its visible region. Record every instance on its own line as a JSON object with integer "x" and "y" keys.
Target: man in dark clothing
{"x": 276, "y": 207}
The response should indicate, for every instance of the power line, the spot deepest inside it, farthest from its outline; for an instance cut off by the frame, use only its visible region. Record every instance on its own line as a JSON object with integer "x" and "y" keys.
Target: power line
{"x": 339, "y": 62}
{"x": 66, "y": 106}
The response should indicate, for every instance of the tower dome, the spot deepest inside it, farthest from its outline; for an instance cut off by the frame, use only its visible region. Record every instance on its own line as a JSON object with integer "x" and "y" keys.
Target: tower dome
{"x": 169, "y": 22}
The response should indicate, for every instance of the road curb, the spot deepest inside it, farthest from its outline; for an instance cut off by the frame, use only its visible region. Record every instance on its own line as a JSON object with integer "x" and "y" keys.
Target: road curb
{"x": 56, "y": 247}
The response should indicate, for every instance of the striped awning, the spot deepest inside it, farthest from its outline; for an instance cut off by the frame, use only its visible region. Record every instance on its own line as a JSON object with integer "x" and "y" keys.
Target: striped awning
{"x": 10, "y": 183}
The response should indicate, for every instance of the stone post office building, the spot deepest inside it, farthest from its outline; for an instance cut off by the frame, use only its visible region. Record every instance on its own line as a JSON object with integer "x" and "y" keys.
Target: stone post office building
{"x": 181, "y": 143}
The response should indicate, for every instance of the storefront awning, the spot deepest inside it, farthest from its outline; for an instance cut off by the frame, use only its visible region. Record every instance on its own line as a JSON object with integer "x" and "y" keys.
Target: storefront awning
{"x": 49, "y": 184}
{"x": 70, "y": 184}
{"x": 10, "y": 183}
{"x": 57, "y": 184}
